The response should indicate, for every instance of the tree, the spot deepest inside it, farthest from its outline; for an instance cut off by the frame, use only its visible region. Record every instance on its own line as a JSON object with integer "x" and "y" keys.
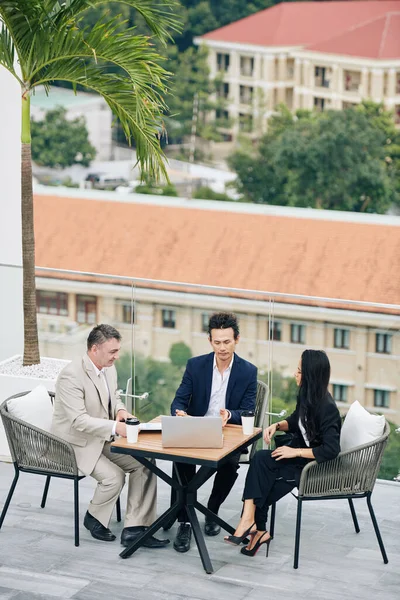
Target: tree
{"x": 179, "y": 354}
{"x": 333, "y": 160}
{"x": 42, "y": 41}
{"x": 60, "y": 143}
{"x": 159, "y": 379}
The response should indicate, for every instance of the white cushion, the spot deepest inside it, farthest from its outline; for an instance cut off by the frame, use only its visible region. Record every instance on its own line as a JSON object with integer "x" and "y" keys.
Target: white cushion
{"x": 360, "y": 427}
{"x": 35, "y": 408}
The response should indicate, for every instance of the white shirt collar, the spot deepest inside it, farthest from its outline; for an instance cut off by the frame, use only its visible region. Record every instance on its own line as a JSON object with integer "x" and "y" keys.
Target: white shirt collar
{"x": 230, "y": 364}
{"x": 96, "y": 370}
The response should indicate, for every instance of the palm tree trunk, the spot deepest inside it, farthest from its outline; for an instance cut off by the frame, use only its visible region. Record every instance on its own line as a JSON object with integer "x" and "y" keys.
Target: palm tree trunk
{"x": 31, "y": 343}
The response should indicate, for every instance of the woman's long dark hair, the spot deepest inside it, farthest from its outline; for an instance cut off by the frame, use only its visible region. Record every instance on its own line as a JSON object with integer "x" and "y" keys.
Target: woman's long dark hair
{"x": 315, "y": 374}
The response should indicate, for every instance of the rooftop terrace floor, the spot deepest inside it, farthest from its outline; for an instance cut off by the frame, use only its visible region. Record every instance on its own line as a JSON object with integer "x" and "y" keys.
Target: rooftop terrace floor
{"x": 38, "y": 558}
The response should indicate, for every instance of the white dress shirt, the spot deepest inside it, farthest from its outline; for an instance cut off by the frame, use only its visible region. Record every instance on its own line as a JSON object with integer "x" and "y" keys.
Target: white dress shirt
{"x": 103, "y": 382}
{"x": 304, "y": 433}
{"x": 218, "y": 389}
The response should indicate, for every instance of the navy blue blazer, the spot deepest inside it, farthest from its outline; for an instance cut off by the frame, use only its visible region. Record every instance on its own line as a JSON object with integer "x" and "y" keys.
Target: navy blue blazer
{"x": 193, "y": 395}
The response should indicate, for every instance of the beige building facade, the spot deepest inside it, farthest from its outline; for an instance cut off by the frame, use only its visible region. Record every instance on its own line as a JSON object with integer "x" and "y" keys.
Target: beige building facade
{"x": 363, "y": 346}
{"x": 256, "y": 79}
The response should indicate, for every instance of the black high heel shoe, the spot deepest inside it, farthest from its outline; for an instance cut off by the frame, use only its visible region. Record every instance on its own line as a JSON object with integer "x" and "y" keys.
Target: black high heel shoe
{"x": 257, "y": 545}
{"x": 236, "y": 540}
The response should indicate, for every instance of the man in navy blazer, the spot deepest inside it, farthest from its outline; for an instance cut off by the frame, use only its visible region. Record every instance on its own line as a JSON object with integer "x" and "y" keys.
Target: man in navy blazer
{"x": 216, "y": 384}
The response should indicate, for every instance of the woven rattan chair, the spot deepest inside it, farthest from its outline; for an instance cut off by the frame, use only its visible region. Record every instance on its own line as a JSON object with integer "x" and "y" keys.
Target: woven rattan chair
{"x": 36, "y": 451}
{"x": 349, "y": 476}
{"x": 259, "y": 418}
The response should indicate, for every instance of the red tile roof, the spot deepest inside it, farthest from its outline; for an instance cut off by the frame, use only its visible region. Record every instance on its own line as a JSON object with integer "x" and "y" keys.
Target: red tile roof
{"x": 325, "y": 258}
{"x": 309, "y": 23}
{"x": 378, "y": 38}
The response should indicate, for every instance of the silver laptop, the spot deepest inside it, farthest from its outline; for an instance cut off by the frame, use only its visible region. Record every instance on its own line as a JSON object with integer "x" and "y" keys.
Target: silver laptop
{"x": 192, "y": 432}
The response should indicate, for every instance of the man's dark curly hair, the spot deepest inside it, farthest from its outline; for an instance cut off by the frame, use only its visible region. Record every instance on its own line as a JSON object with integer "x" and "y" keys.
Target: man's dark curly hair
{"x": 224, "y": 321}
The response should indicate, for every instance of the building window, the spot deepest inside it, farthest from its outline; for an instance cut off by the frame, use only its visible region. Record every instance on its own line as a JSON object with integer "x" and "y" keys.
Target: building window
{"x": 383, "y": 343}
{"x": 52, "y": 303}
{"x": 245, "y": 123}
{"x": 222, "y": 62}
{"x": 168, "y": 318}
{"x": 297, "y": 334}
{"x": 319, "y": 104}
{"x": 86, "y": 309}
{"x": 246, "y": 94}
{"x": 223, "y": 117}
{"x": 321, "y": 79}
{"x": 223, "y": 91}
{"x": 205, "y": 317}
{"x": 275, "y": 332}
{"x": 125, "y": 311}
{"x": 340, "y": 392}
{"x": 341, "y": 338}
{"x": 246, "y": 66}
{"x": 381, "y": 398}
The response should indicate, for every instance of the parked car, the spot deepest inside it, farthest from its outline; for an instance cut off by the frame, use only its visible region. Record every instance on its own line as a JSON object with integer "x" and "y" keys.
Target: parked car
{"x": 105, "y": 181}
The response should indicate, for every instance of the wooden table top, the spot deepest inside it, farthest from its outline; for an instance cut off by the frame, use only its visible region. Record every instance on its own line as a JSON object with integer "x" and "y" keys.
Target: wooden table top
{"x": 149, "y": 444}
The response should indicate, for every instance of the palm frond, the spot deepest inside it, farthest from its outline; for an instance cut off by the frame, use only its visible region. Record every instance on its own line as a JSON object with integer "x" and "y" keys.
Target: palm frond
{"x": 159, "y": 16}
{"x": 7, "y": 51}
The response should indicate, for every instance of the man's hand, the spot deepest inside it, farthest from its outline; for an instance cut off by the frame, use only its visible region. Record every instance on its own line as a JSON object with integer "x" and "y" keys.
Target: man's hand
{"x": 180, "y": 413}
{"x": 285, "y": 452}
{"x": 269, "y": 432}
{"x": 123, "y": 415}
{"x": 225, "y": 415}
{"x": 120, "y": 428}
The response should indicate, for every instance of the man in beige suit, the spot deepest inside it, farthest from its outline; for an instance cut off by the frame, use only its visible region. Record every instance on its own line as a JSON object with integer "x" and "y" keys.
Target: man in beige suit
{"x": 88, "y": 413}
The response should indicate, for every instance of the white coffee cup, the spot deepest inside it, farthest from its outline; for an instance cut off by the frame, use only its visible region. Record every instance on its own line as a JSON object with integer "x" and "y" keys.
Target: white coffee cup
{"x": 248, "y": 423}
{"x": 132, "y": 430}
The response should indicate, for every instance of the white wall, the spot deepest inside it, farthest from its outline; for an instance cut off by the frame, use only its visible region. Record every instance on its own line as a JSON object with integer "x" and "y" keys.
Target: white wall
{"x": 11, "y": 312}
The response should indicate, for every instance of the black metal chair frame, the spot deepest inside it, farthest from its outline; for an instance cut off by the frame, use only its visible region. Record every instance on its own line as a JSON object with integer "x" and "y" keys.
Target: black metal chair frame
{"x": 259, "y": 418}
{"x": 350, "y": 476}
{"x": 39, "y": 452}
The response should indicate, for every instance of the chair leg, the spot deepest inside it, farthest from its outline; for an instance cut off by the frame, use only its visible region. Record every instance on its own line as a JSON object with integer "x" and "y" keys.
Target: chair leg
{"x": 353, "y": 514}
{"x": 76, "y": 510}
{"x": 297, "y": 539}
{"x": 45, "y": 491}
{"x": 378, "y": 533}
{"x": 272, "y": 522}
{"x": 118, "y": 507}
{"x": 10, "y": 495}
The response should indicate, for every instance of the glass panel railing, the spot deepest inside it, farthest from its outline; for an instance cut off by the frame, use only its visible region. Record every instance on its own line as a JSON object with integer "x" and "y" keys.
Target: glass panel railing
{"x": 164, "y": 323}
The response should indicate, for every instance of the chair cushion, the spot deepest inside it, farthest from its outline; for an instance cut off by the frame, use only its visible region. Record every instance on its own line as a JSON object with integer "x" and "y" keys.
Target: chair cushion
{"x": 35, "y": 408}
{"x": 360, "y": 427}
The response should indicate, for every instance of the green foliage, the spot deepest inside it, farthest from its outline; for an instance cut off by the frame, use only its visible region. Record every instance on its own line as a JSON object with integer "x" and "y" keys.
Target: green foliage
{"x": 390, "y": 466}
{"x": 179, "y": 354}
{"x": 334, "y": 160}
{"x": 151, "y": 187}
{"x": 51, "y": 43}
{"x": 159, "y": 379}
{"x": 59, "y": 143}
{"x": 206, "y": 193}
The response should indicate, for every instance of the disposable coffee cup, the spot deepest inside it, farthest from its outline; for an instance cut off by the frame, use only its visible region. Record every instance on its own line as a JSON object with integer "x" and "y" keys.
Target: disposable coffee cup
{"x": 132, "y": 430}
{"x": 247, "y": 422}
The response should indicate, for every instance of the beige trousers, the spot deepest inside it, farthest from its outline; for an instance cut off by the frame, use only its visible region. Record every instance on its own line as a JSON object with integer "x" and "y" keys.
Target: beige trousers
{"x": 110, "y": 472}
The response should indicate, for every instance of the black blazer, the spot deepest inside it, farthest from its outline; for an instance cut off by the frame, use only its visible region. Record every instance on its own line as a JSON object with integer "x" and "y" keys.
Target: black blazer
{"x": 193, "y": 394}
{"x": 326, "y": 444}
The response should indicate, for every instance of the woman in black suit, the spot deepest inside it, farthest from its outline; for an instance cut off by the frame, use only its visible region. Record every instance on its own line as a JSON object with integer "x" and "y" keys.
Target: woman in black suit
{"x": 315, "y": 425}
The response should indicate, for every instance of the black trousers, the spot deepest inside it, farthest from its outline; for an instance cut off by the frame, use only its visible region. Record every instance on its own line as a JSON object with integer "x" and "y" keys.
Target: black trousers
{"x": 224, "y": 480}
{"x": 268, "y": 480}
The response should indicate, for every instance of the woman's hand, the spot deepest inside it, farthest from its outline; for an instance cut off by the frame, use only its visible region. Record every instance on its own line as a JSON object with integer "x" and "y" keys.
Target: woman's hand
{"x": 285, "y": 452}
{"x": 269, "y": 432}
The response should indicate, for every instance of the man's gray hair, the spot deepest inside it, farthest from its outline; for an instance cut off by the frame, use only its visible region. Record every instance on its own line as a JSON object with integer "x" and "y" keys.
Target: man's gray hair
{"x": 102, "y": 333}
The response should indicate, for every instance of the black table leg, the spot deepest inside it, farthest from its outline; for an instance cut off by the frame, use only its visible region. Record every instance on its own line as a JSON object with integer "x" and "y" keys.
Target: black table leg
{"x": 198, "y": 536}
{"x": 213, "y": 517}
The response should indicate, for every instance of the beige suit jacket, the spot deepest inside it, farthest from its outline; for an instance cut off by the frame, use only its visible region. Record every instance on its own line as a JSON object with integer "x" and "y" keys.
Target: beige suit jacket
{"x": 81, "y": 410}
